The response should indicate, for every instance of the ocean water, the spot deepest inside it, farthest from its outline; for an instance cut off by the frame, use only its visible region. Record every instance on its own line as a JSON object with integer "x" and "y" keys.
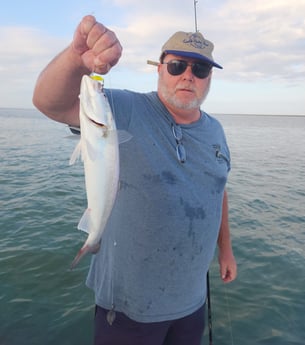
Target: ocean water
{"x": 42, "y": 199}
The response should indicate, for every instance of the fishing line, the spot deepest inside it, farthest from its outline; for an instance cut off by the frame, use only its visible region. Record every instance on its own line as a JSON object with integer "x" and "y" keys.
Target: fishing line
{"x": 208, "y": 277}
{"x": 210, "y": 312}
{"x": 229, "y": 315}
{"x": 195, "y": 15}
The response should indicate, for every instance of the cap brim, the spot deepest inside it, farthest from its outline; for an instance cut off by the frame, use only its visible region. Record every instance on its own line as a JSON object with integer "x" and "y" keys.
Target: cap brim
{"x": 193, "y": 56}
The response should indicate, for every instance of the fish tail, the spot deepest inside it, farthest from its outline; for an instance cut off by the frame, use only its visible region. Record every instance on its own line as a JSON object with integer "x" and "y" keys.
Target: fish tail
{"x": 82, "y": 252}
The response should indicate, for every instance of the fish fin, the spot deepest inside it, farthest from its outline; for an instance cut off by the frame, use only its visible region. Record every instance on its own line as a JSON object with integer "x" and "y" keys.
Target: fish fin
{"x": 76, "y": 153}
{"x": 83, "y": 251}
{"x": 123, "y": 136}
{"x": 84, "y": 223}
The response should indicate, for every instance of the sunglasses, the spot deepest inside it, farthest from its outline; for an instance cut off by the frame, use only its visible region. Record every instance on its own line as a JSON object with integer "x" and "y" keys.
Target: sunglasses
{"x": 180, "y": 150}
{"x": 199, "y": 69}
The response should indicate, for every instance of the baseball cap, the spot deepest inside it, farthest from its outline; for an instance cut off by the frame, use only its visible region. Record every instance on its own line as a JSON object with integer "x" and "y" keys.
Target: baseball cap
{"x": 190, "y": 44}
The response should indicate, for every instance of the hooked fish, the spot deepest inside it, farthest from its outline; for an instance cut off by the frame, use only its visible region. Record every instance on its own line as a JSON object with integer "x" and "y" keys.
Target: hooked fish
{"x": 99, "y": 149}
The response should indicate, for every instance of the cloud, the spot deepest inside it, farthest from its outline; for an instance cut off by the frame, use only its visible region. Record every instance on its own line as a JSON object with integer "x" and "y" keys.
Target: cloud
{"x": 24, "y": 51}
{"x": 254, "y": 40}
{"x": 261, "y": 39}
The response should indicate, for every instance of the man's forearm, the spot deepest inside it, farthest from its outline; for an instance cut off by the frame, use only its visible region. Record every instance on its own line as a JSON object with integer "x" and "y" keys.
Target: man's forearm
{"x": 224, "y": 238}
{"x": 227, "y": 263}
{"x": 57, "y": 88}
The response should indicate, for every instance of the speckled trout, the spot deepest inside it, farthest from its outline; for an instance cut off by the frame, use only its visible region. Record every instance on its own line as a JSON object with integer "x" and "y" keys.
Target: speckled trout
{"x": 99, "y": 149}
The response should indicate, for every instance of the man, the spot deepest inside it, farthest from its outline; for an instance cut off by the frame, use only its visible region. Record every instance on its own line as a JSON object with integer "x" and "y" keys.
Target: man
{"x": 149, "y": 276}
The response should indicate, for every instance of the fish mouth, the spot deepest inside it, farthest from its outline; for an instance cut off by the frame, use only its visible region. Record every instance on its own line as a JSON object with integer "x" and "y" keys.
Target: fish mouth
{"x": 99, "y": 124}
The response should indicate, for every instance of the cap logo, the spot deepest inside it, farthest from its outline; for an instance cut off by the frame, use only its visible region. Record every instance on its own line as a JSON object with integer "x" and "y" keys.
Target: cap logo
{"x": 195, "y": 41}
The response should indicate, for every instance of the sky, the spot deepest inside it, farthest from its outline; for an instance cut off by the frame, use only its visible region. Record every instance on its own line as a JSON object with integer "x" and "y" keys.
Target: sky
{"x": 260, "y": 44}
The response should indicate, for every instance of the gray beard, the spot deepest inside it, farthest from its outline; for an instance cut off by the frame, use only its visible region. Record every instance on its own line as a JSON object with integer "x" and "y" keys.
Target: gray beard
{"x": 175, "y": 102}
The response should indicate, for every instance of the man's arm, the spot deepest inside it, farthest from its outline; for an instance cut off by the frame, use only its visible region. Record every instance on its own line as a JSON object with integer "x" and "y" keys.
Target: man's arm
{"x": 227, "y": 263}
{"x": 94, "y": 49}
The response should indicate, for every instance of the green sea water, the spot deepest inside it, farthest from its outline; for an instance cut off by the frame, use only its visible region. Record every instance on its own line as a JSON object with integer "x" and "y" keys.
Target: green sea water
{"x": 42, "y": 199}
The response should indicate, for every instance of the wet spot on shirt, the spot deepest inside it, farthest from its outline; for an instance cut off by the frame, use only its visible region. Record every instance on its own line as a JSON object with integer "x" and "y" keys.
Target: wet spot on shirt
{"x": 148, "y": 305}
{"x": 169, "y": 177}
{"x": 123, "y": 185}
{"x": 192, "y": 213}
{"x": 219, "y": 180}
{"x": 152, "y": 178}
{"x": 166, "y": 176}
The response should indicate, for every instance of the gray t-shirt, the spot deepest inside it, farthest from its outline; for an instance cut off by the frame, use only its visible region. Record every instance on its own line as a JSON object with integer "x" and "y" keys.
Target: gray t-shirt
{"x": 162, "y": 233}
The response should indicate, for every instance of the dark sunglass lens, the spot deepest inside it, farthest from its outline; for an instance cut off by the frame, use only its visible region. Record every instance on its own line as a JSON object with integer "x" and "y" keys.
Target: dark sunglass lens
{"x": 201, "y": 70}
{"x": 176, "y": 67}
{"x": 181, "y": 154}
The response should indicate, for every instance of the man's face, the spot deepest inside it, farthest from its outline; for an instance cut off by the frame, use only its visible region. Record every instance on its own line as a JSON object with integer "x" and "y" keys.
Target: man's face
{"x": 184, "y": 91}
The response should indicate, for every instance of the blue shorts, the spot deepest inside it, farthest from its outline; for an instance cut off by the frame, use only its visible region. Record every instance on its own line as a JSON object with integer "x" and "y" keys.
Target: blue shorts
{"x": 124, "y": 331}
